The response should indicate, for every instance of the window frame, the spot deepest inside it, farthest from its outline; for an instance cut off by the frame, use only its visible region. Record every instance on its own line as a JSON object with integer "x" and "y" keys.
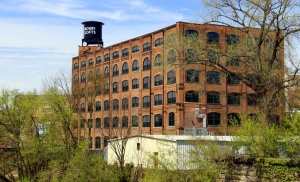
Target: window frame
{"x": 125, "y": 52}
{"x": 158, "y": 42}
{"x": 146, "y": 121}
{"x": 146, "y": 102}
{"x": 116, "y": 55}
{"x": 213, "y": 97}
{"x": 146, "y": 64}
{"x": 158, "y": 100}
{"x": 171, "y": 77}
{"x": 98, "y": 60}
{"x": 106, "y": 57}
{"x": 135, "y": 86}
{"x": 135, "y": 49}
{"x": 135, "y": 102}
{"x": 135, "y": 65}
{"x": 213, "y": 78}
{"x": 125, "y": 68}
{"x": 233, "y": 98}
{"x": 213, "y": 119}
{"x": 171, "y": 117}
{"x": 194, "y": 96}
{"x": 158, "y": 80}
{"x": 115, "y": 87}
{"x": 146, "y": 47}
{"x": 171, "y": 97}
{"x": 158, "y": 120}
{"x": 212, "y": 38}
{"x": 115, "y": 70}
{"x": 125, "y": 86}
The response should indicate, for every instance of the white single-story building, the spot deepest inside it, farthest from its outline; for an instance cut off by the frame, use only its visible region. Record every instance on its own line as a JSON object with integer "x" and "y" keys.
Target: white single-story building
{"x": 172, "y": 151}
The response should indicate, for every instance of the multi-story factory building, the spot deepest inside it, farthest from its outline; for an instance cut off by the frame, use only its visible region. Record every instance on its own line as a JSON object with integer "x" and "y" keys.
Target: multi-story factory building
{"x": 140, "y": 84}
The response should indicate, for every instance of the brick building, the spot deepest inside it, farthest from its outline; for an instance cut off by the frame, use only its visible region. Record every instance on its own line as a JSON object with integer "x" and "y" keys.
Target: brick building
{"x": 153, "y": 96}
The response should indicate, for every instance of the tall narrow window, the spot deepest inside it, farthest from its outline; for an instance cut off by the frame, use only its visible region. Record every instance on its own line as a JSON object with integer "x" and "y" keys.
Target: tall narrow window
{"x": 171, "y": 56}
{"x": 98, "y": 60}
{"x": 90, "y": 123}
{"x": 146, "y": 102}
{"x": 171, "y": 77}
{"x": 106, "y": 122}
{"x": 135, "y": 121}
{"x": 106, "y": 105}
{"x": 158, "y": 99}
{"x": 106, "y": 57}
{"x": 75, "y": 78}
{"x": 75, "y": 66}
{"x": 147, "y": 64}
{"x": 115, "y": 104}
{"x": 116, "y": 55}
{"x": 146, "y": 121}
{"x": 97, "y": 142}
{"x": 83, "y": 64}
{"x": 98, "y": 106}
{"x": 157, "y": 60}
{"x": 106, "y": 70}
{"x": 158, "y": 120}
{"x": 125, "y": 69}
{"x": 98, "y": 123}
{"x": 171, "y": 119}
{"x": 146, "y": 82}
{"x": 83, "y": 77}
{"x": 98, "y": 73}
{"x": 135, "y": 102}
{"x": 91, "y": 62}
{"x": 116, "y": 70}
{"x": 135, "y": 83}
{"x": 124, "y": 121}
{"x": 135, "y": 65}
{"x": 158, "y": 80}
{"x": 125, "y": 103}
{"x": 106, "y": 88}
{"x": 115, "y": 87}
{"x": 115, "y": 122}
{"x": 82, "y": 107}
{"x": 125, "y": 86}
{"x": 172, "y": 97}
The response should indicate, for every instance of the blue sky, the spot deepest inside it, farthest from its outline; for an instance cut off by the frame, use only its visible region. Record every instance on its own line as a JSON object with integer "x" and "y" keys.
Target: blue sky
{"x": 38, "y": 38}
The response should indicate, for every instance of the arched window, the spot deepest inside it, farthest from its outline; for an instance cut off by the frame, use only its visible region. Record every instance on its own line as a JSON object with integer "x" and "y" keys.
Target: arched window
{"x": 82, "y": 64}
{"x": 213, "y": 77}
{"x": 115, "y": 122}
{"x": 75, "y": 94}
{"x": 171, "y": 76}
{"x": 171, "y": 119}
{"x": 158, "y": 80}
{"x": 91, "y": 62}
{"x": 191, "y": 32}
{"x": 171, "y": 56}
{"x": 82, "y": 107}
{"x": 115, "y": 70}
{"x": 146, "y": 102}
{"x": 90, "y": 123}
{"x": 90, "y": 74}
{"x": 83, "y": 77}
{"x": 214, "y": 119}
{"x": 213, "y": 57}
{"x": 98, "y": 90}
{"x": 135, "y": 121}
{"x": 192, "y": 76}
{"x": 135, "y": 49}
{"x": 106, "y": 88}
{"x": 125, "y": 86}
{"x": 97, "y": 142}
{"x": 98, "y": 123}
{"x": 233, "y": 98}
{"x": 106, "y": 105}
{"x": 234, "y": 119}
{"x": 115, "y": 104}
{"x": 106, "y": 138}
{"x": 213, "y": 98}
{"x": 75, "y": 66}
{"x": 75, "y": 78}
{"x": 135, "y": 102}
{"x": 232, "y": 39}
{"x": 124, "y": 121}
{"x": 146, "y": 64}
{"x": 125, "y": 69}
{"x": 115, "y": 87}
{"x": 106, "y": 57}
{"x": 146, "y": 82}
{"x": 125, "y": 52}
{"x": 98, "y": 106}
{"x": 158, "y": 99}
{"x": 135, "y": 83}
{"x": 146, "y": 121}
{"x": 158, "y": 120}
{"x": 98, "y": 60}
{"x": 82, "y": 92}
{"x": 146, "y": 47}
{"x": 116, "y": 55}
{"x": 125, "y": 103}
{"x": 172, "y": 97}
{"x": 212, "y": 38}
{"x": 106, "y": 70}
{"x": 106, "y": 122}
{"x": 135, "y": 65}
{"x": 158, "y": 42}
{"x": 191, "y": 96}
{"x": 191, "y": 56}
{"x": 158, "y": 60}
